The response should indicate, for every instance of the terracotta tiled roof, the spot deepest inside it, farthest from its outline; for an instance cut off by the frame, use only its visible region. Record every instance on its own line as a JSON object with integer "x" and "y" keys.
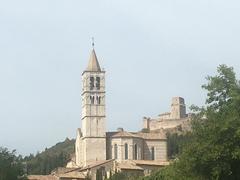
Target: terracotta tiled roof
{"x": 61, "y": 170}
{"x": 74, "y": 175}
{"x": 129, "y": 166}
{"x": 151, "y": 135}
{"x": 136, "y": 164}
{"x": 98, "y": 163}
{"x": 42, "y": 177}
{"x": 153, "y": 163}
{"x": 121, "y": 134}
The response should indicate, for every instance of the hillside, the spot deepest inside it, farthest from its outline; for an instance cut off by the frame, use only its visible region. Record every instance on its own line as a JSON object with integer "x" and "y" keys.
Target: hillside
{"x": 56, "y": 156}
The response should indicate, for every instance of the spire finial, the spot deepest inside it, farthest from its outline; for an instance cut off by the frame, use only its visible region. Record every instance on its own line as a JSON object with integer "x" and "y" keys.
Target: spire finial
{"x": 93, "y": 42}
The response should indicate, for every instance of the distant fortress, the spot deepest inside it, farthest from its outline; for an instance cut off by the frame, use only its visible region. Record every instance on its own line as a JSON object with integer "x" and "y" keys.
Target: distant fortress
{"x": 176, "y": 118}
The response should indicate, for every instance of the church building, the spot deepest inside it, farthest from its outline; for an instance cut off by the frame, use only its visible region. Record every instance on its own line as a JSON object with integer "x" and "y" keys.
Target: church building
{"x": 100, "y": 154}
{"x": 94, "y": 144}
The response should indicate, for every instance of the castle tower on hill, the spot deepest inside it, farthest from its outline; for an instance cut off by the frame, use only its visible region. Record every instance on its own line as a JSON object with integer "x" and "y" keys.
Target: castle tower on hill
{"x": 177, "y": 118}
{"x": 91, "y": 139}
{"x": 178, "y": 108}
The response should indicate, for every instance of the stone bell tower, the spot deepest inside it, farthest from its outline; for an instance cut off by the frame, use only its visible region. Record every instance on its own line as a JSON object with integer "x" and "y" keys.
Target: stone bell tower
{"x": 92, "y": 140}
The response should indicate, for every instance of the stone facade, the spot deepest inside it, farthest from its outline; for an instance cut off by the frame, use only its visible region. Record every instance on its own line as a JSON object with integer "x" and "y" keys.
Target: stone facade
{"x": 94, "y": 144}
{"x": 101, "y": 153}
{"x": 123, "y": 146}
{"x": 177, "y": 118}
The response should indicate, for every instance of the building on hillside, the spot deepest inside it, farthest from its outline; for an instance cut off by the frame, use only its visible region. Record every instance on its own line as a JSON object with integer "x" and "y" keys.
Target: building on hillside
{"x": 176, "y": 119}
{"x": 98, "y": 153}
{"x": 94, "y": 144}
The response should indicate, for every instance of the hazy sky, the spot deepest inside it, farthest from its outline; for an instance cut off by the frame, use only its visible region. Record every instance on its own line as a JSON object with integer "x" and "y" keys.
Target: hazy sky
{"x": 152, "y": 50}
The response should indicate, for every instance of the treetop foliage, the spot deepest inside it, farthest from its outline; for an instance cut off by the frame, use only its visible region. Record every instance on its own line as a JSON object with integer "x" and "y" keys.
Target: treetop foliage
{"x": 11, "y": 167}
{"x": 56, "y": 156}
{"x": 212, "y": 150}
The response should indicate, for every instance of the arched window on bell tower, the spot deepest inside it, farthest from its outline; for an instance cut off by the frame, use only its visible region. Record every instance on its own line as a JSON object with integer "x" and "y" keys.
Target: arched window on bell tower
{"x": 98, "y": 83}
{"x": 98, "y": 100}
{"x": 91, "y": 83}
{"x": 92, "y": 99}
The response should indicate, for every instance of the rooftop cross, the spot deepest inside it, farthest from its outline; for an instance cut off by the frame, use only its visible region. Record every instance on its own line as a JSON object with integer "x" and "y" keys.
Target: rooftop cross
{"x": 93, "y": 42}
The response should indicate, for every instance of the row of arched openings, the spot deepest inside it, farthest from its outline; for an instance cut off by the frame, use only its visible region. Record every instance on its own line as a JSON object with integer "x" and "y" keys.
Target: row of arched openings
{"x": 116, "y": 151}
{"x": 98, "y": 100}
{"x": 135, "y": 156}
{"x": 126, "y": 151}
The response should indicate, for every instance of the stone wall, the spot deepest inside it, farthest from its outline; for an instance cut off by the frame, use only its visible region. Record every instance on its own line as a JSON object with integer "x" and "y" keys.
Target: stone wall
{"x": 94, "y": 150}
{"x": 95, "y": 126}
{"x": 160, "y": 150}
{"x": 143, "y": 149}
{"x": 177, "y": 117}
{"x": 120, "y": 142}
{"x": 155, "y": 124}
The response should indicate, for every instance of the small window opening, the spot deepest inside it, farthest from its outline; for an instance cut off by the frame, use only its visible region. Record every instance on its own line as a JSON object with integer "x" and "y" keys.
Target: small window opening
{"x": 115, "y": 151}
{"x": 92, "y": 99}
{"x": 91, "y": 83}
{"x": 126, "y": 151}
{"x": 153, "y": 153}
{"x": 135, "y": 152}
{"x": 98, "y": 83}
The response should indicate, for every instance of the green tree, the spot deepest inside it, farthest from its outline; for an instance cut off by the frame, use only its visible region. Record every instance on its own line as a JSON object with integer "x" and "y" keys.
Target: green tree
{"x": 57, "y": 156}
{"x": 11, "y": 167}
{"x": 213, "y": 148}
{"x": 174, "y": 143}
